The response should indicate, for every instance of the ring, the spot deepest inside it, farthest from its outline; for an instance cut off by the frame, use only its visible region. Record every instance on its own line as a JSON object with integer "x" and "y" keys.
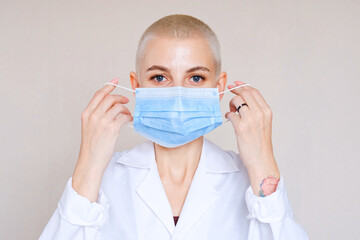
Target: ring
{"x": 244, "y": 104}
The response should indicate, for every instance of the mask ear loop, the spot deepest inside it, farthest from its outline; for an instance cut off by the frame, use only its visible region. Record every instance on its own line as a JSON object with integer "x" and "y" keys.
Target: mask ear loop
{"x": 229, "y": 90}
{"x": 129, "y": 89}
{"x": 243, "y": 85}
{"x": 129, "y": 124}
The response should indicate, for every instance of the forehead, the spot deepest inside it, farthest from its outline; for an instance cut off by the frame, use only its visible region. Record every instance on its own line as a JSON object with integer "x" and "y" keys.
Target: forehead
{"x": 175, "y": 53}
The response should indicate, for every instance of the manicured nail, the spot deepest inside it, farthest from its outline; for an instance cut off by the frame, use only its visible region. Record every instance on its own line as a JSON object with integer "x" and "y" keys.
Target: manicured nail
{"x": 115, "y": 80}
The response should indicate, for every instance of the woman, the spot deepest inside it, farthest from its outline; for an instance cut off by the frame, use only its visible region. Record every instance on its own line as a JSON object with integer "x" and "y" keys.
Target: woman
{"x": 177, "y": 185}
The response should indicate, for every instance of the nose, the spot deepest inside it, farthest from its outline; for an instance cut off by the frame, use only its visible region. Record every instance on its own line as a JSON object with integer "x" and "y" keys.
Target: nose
{"x": 178, "y": 85}
{"x": 178, "y": 81}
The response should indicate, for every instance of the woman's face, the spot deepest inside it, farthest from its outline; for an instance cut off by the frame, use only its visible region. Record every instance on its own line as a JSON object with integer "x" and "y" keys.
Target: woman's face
{"x": 178, "y": 62}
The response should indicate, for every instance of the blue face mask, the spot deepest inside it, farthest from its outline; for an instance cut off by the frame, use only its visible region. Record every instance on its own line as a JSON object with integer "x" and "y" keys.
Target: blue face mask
{"x": 174, "y": 116}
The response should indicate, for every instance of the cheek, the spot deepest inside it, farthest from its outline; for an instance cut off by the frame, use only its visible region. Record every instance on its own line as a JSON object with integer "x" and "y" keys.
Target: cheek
{"x": 212, "y": 82}
{"x": 143, "y": 84}
{"x": 146, "y": 83}
{"x": 143, "y": 81}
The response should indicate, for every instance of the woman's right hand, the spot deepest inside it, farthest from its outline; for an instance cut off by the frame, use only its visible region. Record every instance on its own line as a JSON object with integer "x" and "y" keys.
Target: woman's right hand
{"x": 101, "y": 122}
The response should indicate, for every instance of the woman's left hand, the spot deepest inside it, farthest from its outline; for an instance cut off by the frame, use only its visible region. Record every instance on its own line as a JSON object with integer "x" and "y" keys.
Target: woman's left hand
{"x": 253, "y": 127}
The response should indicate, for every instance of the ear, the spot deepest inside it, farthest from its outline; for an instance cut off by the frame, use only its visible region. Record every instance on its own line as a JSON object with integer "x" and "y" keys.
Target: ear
{"x": 221, "y": 83}
{"x": 134, "y": 80}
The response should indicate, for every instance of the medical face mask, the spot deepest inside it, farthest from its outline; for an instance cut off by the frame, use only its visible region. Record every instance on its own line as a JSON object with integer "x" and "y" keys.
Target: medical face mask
{"x": 174, "y": 116}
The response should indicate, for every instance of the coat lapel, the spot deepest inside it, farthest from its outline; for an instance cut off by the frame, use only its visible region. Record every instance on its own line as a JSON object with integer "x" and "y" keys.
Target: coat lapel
{"x": 153, "y": 193}
{"x": 150, "y": 190}
{"x": 201, "y": 195}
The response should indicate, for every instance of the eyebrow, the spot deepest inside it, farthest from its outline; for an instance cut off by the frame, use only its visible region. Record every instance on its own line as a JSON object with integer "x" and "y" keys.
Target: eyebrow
{"x": 165, "y": 69}
{"x": 158, "y": 67}
{"x": 201, "y": 68}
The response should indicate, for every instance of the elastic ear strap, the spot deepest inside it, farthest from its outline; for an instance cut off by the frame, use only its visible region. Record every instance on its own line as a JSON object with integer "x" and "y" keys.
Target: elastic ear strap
{"x": 109, "y": 83}
{"x": 245, "y": 84}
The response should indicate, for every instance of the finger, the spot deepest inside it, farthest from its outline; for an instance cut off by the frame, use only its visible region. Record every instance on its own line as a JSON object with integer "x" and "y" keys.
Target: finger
{"x": 247, "y": 93}
{"x": 116, "y": 109}
{"x": 238, "y": 84}
{"x": 99, "y": 96}
{"x": 122, "y": 119}
{"x": 256, "y": 93}
{"x": 237, "y": 101}
{"x": 260, "y": 99}
{"x": 108, "y": 102}
{"x": 233, "y": 117}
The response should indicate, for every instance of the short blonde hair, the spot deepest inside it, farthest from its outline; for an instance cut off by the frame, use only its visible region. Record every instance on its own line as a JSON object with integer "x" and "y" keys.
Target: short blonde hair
{"x": 182, "y": 27}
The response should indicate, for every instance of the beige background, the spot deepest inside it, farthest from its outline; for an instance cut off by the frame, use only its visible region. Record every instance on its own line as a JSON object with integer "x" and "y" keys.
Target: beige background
{"x": 303, "y": 56}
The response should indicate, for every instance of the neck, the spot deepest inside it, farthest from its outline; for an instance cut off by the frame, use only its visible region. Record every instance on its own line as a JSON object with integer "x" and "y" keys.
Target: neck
{"x": 178, "y": 165}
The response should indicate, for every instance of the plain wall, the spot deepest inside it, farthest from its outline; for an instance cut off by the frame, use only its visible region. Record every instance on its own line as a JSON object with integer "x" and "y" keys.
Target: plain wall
{"x": 303, "y": 56}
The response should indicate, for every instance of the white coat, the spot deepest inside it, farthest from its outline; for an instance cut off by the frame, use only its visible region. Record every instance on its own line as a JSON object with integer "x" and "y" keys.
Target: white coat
{"x": 132, "y": 203}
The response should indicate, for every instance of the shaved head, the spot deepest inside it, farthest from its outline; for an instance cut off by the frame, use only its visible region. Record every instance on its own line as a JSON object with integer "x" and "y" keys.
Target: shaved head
{"x": 179, "y": 26}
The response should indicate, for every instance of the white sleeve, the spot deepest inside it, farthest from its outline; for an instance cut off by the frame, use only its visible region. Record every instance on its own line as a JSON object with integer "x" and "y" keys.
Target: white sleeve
{"x": 76, "y": 217}
{"x": 271, "y": 217}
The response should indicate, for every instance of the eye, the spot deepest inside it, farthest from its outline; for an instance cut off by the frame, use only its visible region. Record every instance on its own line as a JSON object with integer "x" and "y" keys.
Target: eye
{"x": 197, "y": 78}
{"x": 158, "y": 78}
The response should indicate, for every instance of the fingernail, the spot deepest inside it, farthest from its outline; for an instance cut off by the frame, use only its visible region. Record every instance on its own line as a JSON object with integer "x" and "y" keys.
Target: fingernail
{"x": 115, "y": 80}
{"x": 239, "y": 82}
{"x": 230, "y": 86}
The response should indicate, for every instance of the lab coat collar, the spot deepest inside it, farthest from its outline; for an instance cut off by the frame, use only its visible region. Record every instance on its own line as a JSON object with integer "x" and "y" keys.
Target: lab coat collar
{"x": 201, "y": 195}
{"x": 217, "y": 160}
